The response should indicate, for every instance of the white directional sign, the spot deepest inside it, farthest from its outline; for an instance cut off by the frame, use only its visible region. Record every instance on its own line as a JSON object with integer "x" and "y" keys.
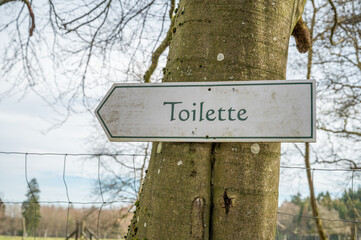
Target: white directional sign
{"x": 242, "y": 111}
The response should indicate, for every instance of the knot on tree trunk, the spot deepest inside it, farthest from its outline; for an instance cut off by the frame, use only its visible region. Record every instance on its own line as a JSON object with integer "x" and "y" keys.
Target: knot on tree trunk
{"x": 227, "y": 201}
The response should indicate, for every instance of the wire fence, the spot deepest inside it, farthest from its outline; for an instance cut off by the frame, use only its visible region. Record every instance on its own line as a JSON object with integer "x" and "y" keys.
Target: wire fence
{"x": 136, "y": 164}
{"x": 130, "y": 187}
{"x": 88, "y": 155}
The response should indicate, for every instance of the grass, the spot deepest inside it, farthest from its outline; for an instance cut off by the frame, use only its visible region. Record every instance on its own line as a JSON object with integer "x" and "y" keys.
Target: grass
{"x": 2, "y": 237}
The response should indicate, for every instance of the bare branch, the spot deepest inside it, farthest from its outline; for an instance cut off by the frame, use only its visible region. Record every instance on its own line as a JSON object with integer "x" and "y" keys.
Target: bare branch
{"x": 161, "y": 48}
{"x": 85, "y": 15}
{"x": 2, "y": 2}
{"x": 343, "y": 131}
{"x": 32, "y": 16}
{"x": 105, "y": 10}
{"x": 299, "y": 149}
{"x": 351, "y": 162}
{"x": 334, "y": 22}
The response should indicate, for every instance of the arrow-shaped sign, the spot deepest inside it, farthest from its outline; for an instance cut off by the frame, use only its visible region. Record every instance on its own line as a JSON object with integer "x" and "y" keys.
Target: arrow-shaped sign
{"x": 248, "y": 111}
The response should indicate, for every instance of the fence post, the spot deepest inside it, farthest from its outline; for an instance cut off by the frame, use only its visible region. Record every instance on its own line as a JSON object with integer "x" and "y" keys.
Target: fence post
{"x": 355, "y": 226}
{"x": 24, "y": 229}
{"x": 77, "y": 230}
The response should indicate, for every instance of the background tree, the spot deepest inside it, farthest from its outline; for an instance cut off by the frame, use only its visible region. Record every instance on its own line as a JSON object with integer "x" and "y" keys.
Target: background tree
{"x": 31, "y": 207}
{"x": 334, "y": 62}
{"x": 11, "y": 223}
{"x": 340, "y": 88}
{"x": 2, "y": 216}
{"x": 340, "y": 208}
{"x": 113, "y": 221}
{"x": 114, "y": 37}
{"x": 347, "y": 207}
{"x": 2, "y": 209}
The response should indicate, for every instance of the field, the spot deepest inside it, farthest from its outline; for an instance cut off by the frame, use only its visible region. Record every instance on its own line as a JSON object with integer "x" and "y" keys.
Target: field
{"x": 2, "y": 237}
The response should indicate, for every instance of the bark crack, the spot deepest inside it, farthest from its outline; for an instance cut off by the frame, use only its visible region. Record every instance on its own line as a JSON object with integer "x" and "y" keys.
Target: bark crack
{"x": 213, "y": 160}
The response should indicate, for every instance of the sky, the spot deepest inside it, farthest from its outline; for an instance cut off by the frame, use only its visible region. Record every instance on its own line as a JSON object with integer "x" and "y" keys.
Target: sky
{"x": 22, "y": 126}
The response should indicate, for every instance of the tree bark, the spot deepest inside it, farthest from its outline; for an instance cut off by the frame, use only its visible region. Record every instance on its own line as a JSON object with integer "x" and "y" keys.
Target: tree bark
{"x": 219, "y": 190}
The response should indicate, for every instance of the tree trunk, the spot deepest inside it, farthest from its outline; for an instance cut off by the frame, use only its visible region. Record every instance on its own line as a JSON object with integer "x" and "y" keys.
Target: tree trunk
{"x": 313, "y": 201}
{"x": 219, "y": 190}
